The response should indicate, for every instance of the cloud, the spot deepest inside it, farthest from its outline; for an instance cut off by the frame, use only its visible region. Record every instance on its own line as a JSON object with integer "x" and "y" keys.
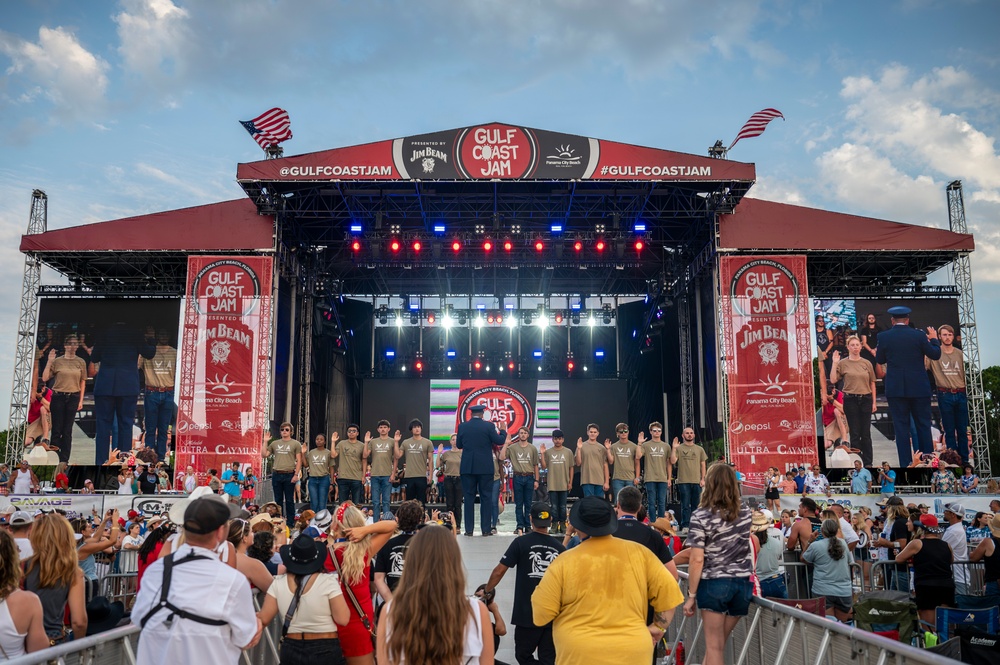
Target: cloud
{"x": 58, "y": 68}
{"x": 153, "y": 34}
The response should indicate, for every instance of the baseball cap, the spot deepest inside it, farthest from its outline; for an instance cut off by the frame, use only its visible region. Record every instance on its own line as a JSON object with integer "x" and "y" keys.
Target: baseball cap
{"x": 929, "y": 520}
{"x": 541, "y": 513}
{"x": 208, "y": 513}
{"x": 557, "y": 433}
{"x": 20, "y": 518}
{"x": 956, "y": 508}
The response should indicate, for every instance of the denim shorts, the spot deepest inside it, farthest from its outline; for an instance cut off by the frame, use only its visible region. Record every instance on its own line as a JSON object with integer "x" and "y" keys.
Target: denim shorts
{"x": 725, "y": 595}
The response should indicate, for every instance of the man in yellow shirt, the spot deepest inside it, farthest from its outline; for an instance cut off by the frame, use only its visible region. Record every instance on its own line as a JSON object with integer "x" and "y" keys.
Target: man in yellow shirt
{"x": 603, "y": 622}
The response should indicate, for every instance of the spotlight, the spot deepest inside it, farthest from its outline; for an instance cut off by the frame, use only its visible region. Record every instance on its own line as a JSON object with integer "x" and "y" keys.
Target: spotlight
{"x": 477, "y": 365}
{"x": 456, "y": 246}
{"x": 439, "y": 229}
{"x": 390, "y": 353}
{"x": 417, "y": 246}
{"x": 419, "y": 365}
{"x": 446, "y": 321}
{"x": 356, "y": 228}
{"x": 640, "y": 227}
{"x": 499, "y": 318}
{"x": 510, "y": 365}
{"x": 647, "y": 346}
{"x": 591, "y": 321}
{"x": 463, "y": 318}
{"x": 489, "y": 318}
{"x": 606, "y": 315}
{"x": 556, "y": 229}
{"x": 570, "y": 365}
{"x": 539, "y": 245}
{"x": 578, "y": 246}
{"x": 414, "y": 318}
{"x": 507, "y": 245}
{"x": 478, "y": 321}
{"x": 559, "y": 318}
{"x": 543, "y": 321}
{"x": 451, "y": 353}
{"x": 383, "y": 315}
{"x": 537, "y": 353}
{"x": 487, "y": 246}
{"x": 600, "y": 245}
{"x": 511, "y": 321}
{"x": 356, "y": 245}
{"x": 399, "y": 322}
{"x": 394, "y": 246}
{"x": 599, "y": 354}
{"x": 639, "y": 245}
{"x": 526, "y": 318}
{"x": 575, "y": 318}
{"x": 430, "y": 318}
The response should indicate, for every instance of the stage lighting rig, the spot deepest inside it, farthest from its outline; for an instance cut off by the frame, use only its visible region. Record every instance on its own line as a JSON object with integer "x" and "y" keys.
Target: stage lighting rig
{"x": 383, "y": 315}
{"x": 647, "y": 346}
{"x": 607, "y": 314}
{"x": 394, "y": 229}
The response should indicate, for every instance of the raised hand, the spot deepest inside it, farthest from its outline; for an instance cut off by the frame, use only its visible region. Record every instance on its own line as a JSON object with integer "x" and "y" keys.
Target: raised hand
{"x": 836, "y": 356}
{"x": 579, "y": 441}
{"x": 368, "y": 437}
{"x": 397, "y": 436}
{"x": 607, "y": 443}
{"x": 642, "y": 438}
{"x": 334, "y": 438}
{"x": 677, "y": 442}
{"x": 931, "y": 332}
{"x": 52, "y": 355}
{"x": 541, "y": 449}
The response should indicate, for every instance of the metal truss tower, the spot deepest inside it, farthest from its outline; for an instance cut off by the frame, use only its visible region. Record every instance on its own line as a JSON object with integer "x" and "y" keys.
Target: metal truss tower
{"x": 687, "y": 372}
{"x": 24, "y": 360}
{"x": 961, "y": 270}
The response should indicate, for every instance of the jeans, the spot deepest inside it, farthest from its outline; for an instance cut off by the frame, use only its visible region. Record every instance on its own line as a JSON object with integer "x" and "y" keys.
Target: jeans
{"x": 901, "y": 409}
{"x": 593, "y": 490}
{"x": 774, "y": 587}
{"x": 284, "y": 493}
{"x": 690, "y": 496}
{"x": 524, "y": 492}
{"x": 481, "y": 484}
{"x": 616, "y": 487}
{"x": 307, "y": 652}
{"x": 529, "y": 638}
{"x": 416, "y": 488}
{"x": 319, "y": 492}
{"x": 110, "y": 411}
{"x": 558, "y": 502}
{"x": 656, "y": 497}
{"x": 381, "y": 491}
{"x": 63, "y": 411}
{"x": 158, "y": 410}
{"x": 497, "y": 486}
{"x": 899, "y": 580}
{"x": 453, "y": 497}
{"x": 352, "y": 490}
{"x": 858, "y": 411}
{"x": 955, "y": 421}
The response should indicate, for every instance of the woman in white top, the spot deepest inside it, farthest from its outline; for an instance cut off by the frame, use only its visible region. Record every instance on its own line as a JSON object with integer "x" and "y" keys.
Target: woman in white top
{"x": 26, "y": 633}
{"x": 457, "y": 632}
{"x": 125, "y": 480}
{"x": 312, "y": 634}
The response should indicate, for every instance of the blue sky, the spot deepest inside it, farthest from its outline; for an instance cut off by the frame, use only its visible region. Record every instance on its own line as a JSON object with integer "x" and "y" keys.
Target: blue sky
{"x": 121, "y": 108}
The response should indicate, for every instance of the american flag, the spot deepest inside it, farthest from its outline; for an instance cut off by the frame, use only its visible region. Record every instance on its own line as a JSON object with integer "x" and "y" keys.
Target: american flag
{"x": 269, "y": 128}
{"x": 756, "y": 125}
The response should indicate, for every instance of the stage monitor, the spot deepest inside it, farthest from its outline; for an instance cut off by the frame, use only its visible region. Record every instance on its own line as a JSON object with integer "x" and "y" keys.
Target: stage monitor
{"x": 94, "y": 361}
{"x": 540, "y": 405}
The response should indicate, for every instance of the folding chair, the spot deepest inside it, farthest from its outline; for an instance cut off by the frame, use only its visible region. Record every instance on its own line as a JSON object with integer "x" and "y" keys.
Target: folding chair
{"x": 882, "y": 615}
{"x": 815, "y": 606}
{"x": 986, "y": 619}
{"x": 978, "y": 647}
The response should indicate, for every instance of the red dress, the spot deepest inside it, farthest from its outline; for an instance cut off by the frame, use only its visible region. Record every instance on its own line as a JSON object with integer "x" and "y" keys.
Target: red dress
{"x": 355, "y": 640}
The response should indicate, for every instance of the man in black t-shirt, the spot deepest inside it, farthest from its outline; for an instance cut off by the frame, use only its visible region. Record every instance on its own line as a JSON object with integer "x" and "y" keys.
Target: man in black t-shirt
{"x": 630, "y": 528}
{"x": 389, "y": 560}
{"x": 531, "y": 554}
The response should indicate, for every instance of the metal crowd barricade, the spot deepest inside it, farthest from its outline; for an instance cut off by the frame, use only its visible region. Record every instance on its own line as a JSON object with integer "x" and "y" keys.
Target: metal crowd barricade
{"x": 975, "y": 572}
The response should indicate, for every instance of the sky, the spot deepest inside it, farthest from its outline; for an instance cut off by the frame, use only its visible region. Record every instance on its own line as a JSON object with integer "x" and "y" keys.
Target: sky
{"x": 123, "y": 108}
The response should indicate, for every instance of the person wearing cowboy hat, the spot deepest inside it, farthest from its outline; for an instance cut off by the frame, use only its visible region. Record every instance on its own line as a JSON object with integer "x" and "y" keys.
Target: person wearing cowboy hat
{"x": 225, "y": 551}
{"x": 312, "y": 635}
{"x": 988, "y": 551}
{"x": 769, "y": 556}
{"x": 609, "y": 614}
{"x": 205, "y": 613}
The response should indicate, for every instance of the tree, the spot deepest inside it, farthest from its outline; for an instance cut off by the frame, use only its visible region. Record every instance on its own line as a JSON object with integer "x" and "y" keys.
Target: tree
{"x": 991, "y": 399}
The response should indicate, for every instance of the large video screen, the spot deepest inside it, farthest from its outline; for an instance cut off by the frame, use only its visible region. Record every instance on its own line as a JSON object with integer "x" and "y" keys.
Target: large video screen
{"x": 541, "y": 405}
{"x": 835, "y": 321}
{"x": 103, "y": 379}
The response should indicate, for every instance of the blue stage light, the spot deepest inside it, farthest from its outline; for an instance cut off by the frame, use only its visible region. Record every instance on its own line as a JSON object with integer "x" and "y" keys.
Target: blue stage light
{"x": 356, "y": 228}
{"x": 536, "y": 353}
{"x": 556, "y": 228}
{"x": 599, "y": 353}
{"x": 389, "y": 353}
{"x": 640, "y": 227}
{"x": 439, "y": 229}
{"x": 451, "y": 353}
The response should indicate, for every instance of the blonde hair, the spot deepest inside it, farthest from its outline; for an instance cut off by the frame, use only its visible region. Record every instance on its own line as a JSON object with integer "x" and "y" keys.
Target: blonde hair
{"x": 356, "y": 555}
{"x": 855, "y": 337}
{"x": 55, "y": 551}
{"x": 722, "y": 493}
{"x": 432, "y": 577}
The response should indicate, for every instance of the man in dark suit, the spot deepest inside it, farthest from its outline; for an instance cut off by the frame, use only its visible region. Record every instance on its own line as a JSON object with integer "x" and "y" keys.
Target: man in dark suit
{"x": 116, "y": 386}
{"x": 477, "y": 439}
{"x": 900, "y": 356}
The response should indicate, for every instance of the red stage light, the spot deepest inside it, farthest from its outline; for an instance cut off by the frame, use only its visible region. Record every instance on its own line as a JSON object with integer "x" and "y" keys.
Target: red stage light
{"x": 508, "y": 245}
{"x": 499, "y": 319}
{"x": 600, "y": 245}
{"x": 539, "y": 246}
{"x": 489, "y": 318}
{"x": 488, "y": 246}
{"x": 417, "y": 246}
{"x": 430, "y": 318}
{"x": 394, "y": 245}
{"x": 456, "y": 246}
{"x": 510, "y": 365}
{"x": 638, "y": 245}
{"x": 356, "y": 245}
{"x": 570, "y": 365}
{"x": 559, "y": 317}
{"x": 477, "y": 365}
{"x": 578, "y": 246}
{"x": 419, "y": 365}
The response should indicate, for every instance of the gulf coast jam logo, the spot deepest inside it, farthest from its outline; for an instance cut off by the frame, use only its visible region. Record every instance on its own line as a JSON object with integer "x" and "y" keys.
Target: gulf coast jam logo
{"x": 496, "y": 151}
{"x": 764, "y": 289}
{"x": 505, "y": 407}
{"x": 226, "y": 287}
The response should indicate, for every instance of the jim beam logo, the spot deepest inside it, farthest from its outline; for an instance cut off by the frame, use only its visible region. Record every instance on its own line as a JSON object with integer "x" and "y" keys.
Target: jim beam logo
{"x": 496, "y": 152}
{"x": 227, "y": 287}
{"x": 428, "y": 154}
{"x": 764, "y": 288}
{"x": 504, "y": 407}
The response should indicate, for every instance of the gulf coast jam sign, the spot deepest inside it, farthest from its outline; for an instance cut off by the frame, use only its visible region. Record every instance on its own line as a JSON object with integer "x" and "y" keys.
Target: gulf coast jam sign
{"x": 505, "y": 407}
{"x": 226, "y": 287}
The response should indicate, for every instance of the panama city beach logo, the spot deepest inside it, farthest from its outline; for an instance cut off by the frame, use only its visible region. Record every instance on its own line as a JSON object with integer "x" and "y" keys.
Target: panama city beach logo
{"x": 564, "y": 155}
{"x": 226, "y": 287}
{"x": 504, "y": 407}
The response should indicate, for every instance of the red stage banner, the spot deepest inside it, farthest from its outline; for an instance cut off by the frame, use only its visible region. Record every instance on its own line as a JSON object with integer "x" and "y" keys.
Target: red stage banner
{"x": 766, "y": 323}
{"x": 495, "y": 151}
{"x": 225, "y": 363}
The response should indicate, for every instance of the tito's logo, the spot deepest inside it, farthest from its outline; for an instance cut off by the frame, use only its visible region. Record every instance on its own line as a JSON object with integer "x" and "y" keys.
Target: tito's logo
{"x": 226, "y": 287}
{"x": 764, "y": 288}
{"x": 505, "y": 407}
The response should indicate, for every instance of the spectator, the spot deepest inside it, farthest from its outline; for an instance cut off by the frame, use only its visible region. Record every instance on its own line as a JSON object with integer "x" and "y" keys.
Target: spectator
{"x": 887, "y": 478}
{"x": 20, "y": 528}
{"x": 630, "y": 528}
{"x": 214, "y": 482}
{"x": 847, "y": 531}
{"x": 863, "y": 527}
{"x": 861, "y": 479}
{"x": 232, "y": 479}
{"x": 788, "y": 485}
{"x": 666, "y": 528}
{"x": 943, "y": 481}
{"x": 21, "y": 624}
{"x": 954, "y": 535}
{"x": 786, "y": 523}
{"x": 800, "y": 480}
{"x": 969, "y": 481}
{"x": 23, "y": 480}
{"x": 979, "y": 529}
{"x": 772, "y": 492}
{"x": 189, "y": 479}
{"x": 310, "y": 634}
{"x": 4, "y": 478}
{"x": 256, "y": 572}
{"x": 816, "y": 483}
{"x": 832, "y": 571}
{"x": 54, "y": 575}
{"x": 496, "y": 619}
{"x": 769, "y": 555}
{"x": 354, "y": 547}
{"x": 604, "y": 620}
{"x": 988, "y": 551}
{"x": 719, "y": 569}
{"x": 262, "y": 549}
{"x": 151, "y": 547}
{"x": 933, "y": 582}
{"x": 61, "y": 479}
{"x": 126, "y": 481}
{"x": 391, "y": 558}
{"x": 133, "y": 540}
{"x": 531, "y": 554}
{"x": 896, "y": 535}
{"x": 92, "y": 541}
{"x": 433, "y": 577}
{"x": 206, "y": 612}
